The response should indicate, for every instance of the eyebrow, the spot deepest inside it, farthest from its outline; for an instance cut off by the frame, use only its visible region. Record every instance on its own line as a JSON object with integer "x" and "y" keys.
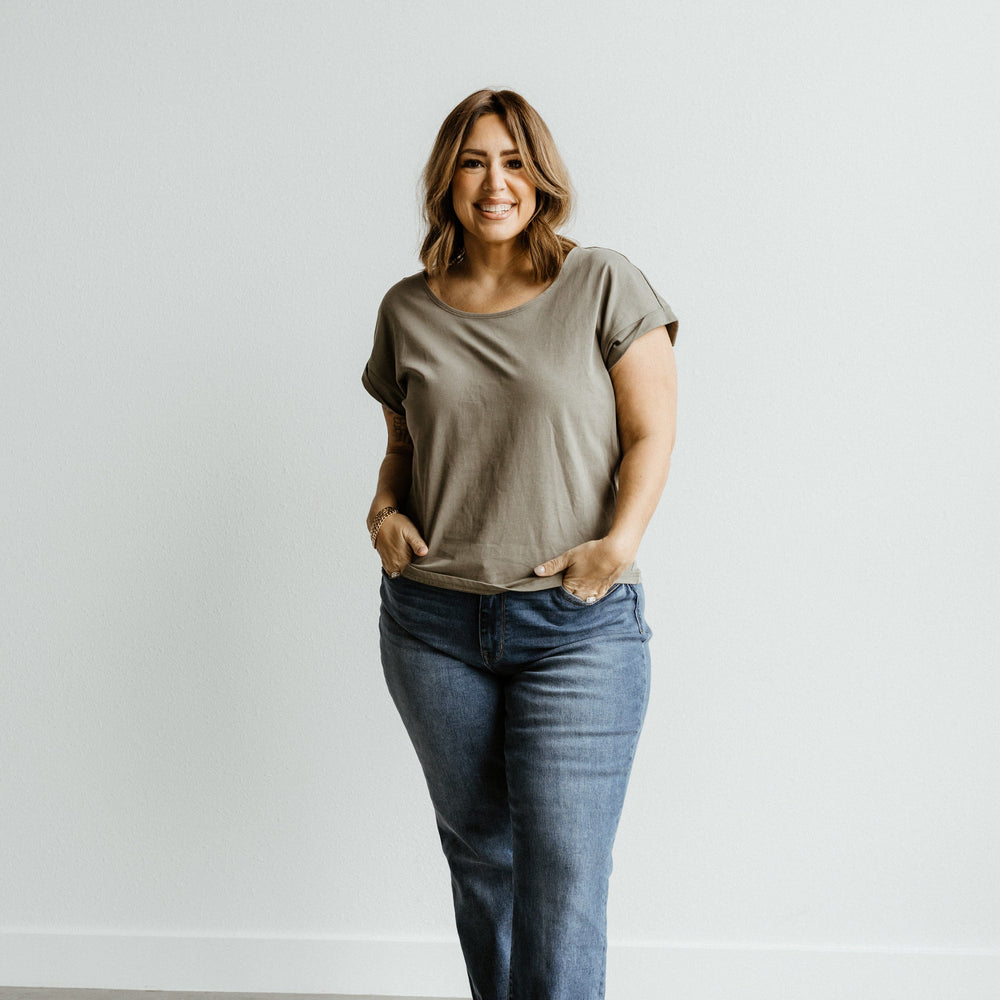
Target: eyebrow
{"x": 482, "y": 152}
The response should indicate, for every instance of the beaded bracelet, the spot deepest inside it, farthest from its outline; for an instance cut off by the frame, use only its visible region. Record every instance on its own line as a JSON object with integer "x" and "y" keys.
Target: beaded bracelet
{"x": 380, "y": 518}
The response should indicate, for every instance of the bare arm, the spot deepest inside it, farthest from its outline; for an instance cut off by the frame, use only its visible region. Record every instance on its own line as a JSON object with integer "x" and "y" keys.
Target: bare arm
{"x": 645, "y": 385}
{"x": 395, "y": 472}
{"x": 398, "y": 539}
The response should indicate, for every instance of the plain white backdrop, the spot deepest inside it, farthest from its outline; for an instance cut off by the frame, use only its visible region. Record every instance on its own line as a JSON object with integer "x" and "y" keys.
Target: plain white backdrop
{"x": 203, "y": 781}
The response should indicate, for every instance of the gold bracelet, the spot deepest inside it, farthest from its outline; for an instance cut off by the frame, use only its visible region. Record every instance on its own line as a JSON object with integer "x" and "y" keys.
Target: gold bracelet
{"x": 380, "y": 518}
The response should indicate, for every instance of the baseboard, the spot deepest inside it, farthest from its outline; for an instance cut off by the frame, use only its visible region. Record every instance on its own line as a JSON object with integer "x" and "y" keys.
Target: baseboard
{"x": 647, "y": 971}
{"x": 234, "y": 964}
{"x": 662, "y": 971}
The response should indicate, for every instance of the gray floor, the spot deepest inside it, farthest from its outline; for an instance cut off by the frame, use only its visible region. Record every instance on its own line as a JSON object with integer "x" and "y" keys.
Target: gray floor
{"x": 56, "y": 993}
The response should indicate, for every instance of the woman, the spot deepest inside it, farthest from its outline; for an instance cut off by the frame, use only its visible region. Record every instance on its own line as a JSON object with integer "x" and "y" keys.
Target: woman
{"x": 528, "y": 387}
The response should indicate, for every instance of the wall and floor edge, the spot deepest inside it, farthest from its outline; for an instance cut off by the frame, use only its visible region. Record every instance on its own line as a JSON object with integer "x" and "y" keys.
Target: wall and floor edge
{"x": 637, "y": 971}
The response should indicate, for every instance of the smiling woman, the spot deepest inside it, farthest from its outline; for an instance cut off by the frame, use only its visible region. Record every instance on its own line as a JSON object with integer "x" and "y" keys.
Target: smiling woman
{"x": 491, "y": 193}
{"x": 461, "y": 159}
{"x": 528, "y": 386}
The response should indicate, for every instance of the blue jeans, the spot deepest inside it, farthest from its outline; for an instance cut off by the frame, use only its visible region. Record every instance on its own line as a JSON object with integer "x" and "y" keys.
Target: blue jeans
{"x": 524, "y": 710}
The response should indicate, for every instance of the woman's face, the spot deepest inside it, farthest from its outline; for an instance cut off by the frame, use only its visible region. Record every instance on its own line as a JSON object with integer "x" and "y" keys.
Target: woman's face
{"x": 492, "y": 196}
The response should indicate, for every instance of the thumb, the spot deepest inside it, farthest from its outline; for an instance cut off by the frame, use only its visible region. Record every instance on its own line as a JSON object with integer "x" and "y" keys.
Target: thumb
{"x": 415, "y": 542}
{"x": 556, "y": 565}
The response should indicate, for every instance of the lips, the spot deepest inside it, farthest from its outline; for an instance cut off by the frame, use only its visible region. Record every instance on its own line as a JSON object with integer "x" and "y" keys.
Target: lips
{"x": 495, "y": 209}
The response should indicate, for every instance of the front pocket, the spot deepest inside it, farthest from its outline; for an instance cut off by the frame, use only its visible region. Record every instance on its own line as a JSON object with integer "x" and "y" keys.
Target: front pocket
{"x": 580, "y": 602}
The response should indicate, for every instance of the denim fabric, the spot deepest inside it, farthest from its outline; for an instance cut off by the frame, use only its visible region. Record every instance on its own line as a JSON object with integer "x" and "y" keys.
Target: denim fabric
{"x": 524, "y": 710}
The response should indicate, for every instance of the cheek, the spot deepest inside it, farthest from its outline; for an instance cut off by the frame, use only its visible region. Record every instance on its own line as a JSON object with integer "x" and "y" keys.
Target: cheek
{"x": 458, "y": 194}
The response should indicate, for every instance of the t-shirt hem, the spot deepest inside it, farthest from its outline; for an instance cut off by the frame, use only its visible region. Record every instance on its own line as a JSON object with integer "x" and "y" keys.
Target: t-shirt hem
{"x": 526, "y": 586}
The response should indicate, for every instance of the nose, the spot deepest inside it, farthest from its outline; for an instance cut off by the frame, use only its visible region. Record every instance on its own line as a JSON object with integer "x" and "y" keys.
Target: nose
{"x": 494, "y": 180}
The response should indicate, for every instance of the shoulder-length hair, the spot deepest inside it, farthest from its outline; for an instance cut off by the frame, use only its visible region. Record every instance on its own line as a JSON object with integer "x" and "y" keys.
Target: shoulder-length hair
{"x": 444, "y": 243}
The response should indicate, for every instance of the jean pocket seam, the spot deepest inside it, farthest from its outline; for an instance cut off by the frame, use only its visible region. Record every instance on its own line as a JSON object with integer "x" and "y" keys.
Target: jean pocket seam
{"x": 588, "y": 604}
{"x": 645, "y": 633}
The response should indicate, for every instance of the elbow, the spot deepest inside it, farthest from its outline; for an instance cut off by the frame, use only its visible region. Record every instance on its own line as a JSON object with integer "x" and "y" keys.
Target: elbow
{"x": 654, "y": 442}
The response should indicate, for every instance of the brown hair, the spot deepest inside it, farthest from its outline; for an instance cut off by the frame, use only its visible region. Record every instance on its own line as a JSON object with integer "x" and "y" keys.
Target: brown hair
{"x": 444, "y": 241}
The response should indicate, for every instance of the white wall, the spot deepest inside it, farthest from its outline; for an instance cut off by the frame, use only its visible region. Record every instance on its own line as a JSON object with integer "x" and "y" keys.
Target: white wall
{"x": 204, "y": 784}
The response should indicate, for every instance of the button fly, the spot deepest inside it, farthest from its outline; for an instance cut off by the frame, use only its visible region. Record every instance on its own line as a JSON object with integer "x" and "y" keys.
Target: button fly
{"x": 491, "y": 621}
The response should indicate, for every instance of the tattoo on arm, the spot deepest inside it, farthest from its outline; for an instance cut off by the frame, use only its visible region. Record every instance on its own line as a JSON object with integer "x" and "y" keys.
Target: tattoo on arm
{"x": 398, "y": 434}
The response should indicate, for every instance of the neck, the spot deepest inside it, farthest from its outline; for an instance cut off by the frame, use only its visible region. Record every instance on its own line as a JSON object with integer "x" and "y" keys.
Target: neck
{"x": 494, "y": 261}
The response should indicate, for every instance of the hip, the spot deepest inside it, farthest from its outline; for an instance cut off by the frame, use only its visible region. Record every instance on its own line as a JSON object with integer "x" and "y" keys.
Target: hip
{"x": 512, "y": 628}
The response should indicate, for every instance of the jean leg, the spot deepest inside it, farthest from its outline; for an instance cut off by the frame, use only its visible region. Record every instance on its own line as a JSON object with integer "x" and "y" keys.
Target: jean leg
{"x": 453, "y": 713}
{"x": 573, "y": 723}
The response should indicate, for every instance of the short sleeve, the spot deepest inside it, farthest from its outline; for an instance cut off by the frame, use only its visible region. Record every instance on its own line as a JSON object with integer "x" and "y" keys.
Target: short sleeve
{"x": 630, "y": 308}
{"x": 379, "y": 376}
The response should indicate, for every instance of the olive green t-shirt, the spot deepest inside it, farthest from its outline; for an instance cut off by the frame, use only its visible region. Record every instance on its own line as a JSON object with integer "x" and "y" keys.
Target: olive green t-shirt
{"x": 512, "y": 415}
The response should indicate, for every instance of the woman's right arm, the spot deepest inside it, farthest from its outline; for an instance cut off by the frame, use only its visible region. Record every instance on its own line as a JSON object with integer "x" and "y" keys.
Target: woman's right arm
{"x": 398, "y": 539}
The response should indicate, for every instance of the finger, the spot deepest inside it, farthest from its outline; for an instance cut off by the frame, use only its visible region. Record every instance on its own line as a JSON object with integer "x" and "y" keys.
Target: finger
{"x": 589, "y": 594}
{"x": 415, "y": 542}
{"x": 556, "y": 565}
{"x": 392, "y": 570}
{"x": 394, "y": 557}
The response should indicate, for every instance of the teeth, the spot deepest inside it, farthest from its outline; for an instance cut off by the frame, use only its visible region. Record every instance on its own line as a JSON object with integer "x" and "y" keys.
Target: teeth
{"x": 496, "y": 209}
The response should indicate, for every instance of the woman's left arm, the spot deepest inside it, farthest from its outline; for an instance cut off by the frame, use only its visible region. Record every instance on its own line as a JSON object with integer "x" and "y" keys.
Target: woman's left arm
{"x": 645, "y": 385}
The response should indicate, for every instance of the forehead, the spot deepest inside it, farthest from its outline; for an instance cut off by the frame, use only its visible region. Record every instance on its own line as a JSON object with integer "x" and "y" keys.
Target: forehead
{"x": 489, "y": 132}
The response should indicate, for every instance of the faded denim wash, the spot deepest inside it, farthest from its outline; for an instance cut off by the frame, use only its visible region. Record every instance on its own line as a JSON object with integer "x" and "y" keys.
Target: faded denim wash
{"x": 525, "y": 710}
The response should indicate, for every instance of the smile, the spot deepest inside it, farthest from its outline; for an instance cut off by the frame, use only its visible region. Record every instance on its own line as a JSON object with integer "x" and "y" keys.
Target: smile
{"x": 496, "y": 211}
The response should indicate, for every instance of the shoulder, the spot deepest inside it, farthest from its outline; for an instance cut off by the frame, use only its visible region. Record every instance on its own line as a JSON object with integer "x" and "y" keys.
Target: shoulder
{"x": 592, "y": 262}
{"x": 603, "y": 270}
{"x": 600, "y": 256}
{"x": 405, "y": 293}
{"x": 623, "y": 296}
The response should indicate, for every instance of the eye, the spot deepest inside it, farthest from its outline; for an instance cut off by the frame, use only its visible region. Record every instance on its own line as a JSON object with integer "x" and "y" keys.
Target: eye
{"x": 514, "y": 164}
{"x": 471, "y": 162}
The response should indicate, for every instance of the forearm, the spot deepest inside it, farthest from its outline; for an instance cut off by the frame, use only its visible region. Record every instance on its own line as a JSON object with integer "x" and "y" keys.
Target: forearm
{"x": 642, "y": 476}
{"x": 394, "y": 478}
{"x": 596, "y": 564}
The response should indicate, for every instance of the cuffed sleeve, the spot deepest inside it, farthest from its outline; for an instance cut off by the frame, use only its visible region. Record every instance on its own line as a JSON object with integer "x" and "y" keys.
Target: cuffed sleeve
{"x": 379, "y": 377}
{"x": 630, "y": 308}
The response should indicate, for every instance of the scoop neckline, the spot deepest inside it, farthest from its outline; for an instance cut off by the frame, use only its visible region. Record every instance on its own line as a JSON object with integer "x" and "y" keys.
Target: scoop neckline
{"x": 503, "y": 312}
